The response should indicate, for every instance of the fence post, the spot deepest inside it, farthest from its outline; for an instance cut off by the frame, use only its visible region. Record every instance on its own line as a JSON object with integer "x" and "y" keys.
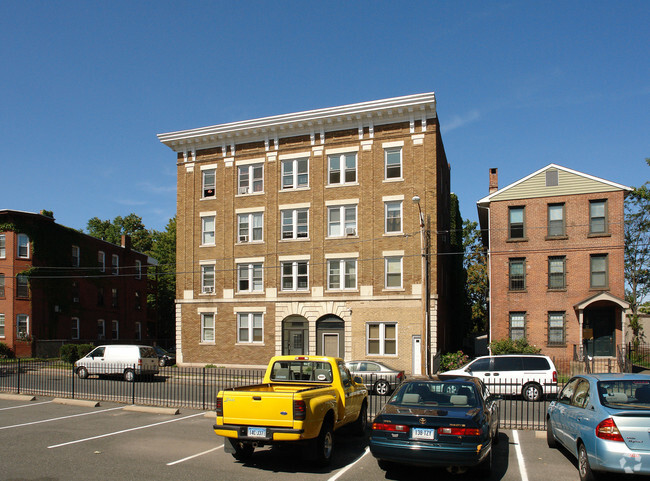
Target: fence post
{"x": 73, "y": 381}
{"x": 18, "y": 380}
{"x": 203, "y": 384}
{"x": 133, "y": 387}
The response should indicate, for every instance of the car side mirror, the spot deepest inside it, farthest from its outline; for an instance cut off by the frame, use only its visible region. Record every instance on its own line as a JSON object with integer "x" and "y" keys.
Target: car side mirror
{"x": 358, "y": 379}
{"x": 468, "y": 369}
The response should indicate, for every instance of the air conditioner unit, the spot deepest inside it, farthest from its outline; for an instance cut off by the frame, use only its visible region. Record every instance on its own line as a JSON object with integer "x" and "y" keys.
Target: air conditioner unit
{"x": 75, "y": 299}
{"x": 243, "y": 190}
{"x": 243, "y": 238}
{"x": 208, "y": 290}
{"x": 350, "y": 231}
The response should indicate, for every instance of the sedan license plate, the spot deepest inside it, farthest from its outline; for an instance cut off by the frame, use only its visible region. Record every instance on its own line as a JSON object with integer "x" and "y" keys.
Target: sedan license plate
{"x": 423, "y": 433}
{"x": 256, "y": 432}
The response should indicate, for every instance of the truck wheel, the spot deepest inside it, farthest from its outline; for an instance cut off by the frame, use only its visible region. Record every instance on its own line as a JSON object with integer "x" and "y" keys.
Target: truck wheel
{"x": 324, "y": 444}
{"x": 129, "y": 375}
{"x": 243, "y": 451}
{"x": 532, "y": 392}
{"x": 82, "y": 372}
{"x": 359, "y": 426}
{"x": 382, "y": 387}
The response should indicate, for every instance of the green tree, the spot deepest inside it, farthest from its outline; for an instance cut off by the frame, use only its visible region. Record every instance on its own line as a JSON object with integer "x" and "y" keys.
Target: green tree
{"x": 475, "y": 263}
{"x": 637, "y": 254}
{"x": 164, "y": 251}
{"x": 112, "y": 231}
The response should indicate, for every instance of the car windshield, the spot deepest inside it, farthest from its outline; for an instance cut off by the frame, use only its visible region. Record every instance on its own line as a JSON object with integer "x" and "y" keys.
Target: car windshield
{"x": 625, "y": 394}
{"x": 159, "y": 350}
{"x": 436, "y": 393}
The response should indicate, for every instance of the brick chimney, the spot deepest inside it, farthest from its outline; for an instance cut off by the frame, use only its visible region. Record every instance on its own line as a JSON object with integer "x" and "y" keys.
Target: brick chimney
{"x": 126, "y": 242}
{"x": 494, "y": 180}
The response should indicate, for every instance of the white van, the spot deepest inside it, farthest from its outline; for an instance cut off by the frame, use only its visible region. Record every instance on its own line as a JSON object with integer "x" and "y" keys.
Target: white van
{"x": 123, "y": 359}
{"x": 531, "y": 375}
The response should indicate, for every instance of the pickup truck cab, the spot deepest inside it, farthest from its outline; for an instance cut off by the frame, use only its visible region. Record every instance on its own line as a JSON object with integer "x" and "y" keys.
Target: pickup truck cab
{"x": 303, "y": 399}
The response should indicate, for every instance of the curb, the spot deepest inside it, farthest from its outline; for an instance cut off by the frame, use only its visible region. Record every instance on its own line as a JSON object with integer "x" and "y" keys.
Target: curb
{"x": 17, "y": 397}
{"x": 151, "y": 409}
{"x": 76, "y": 402}
{"x": 210, "y": 414}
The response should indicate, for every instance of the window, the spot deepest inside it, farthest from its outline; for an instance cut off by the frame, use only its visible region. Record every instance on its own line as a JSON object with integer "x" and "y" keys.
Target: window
{"x": 342, "y": 274}
{"x": 598, "y": 271}
{"x": 22, "y": 326}
{"x": 2, "y": 285}
{"x": 295, "y": 223}
{"x": 115, "y": 330}
{"x": 23, "y": 246}
{"x": 101, "y": 329}
{"x": 250, "y": 227}
{"x": 393, "y": 272}
{"x": 137, "y": 301}
{"x": 138, "y": 330}
{"x": 295, "y": 173}
{"x": 207, "y": 279}
{"x": 3, "y": 249}
{"x": 207, "y": 327}
{"x": 393, "y": 162}
{"x": 100, "y": 296}
{"x": 75, "y": 256}
{"x": 2, "y": 325}
{"x": 101, "y": 261}
{"x": 341, "y": 220}
{"x": 250, "y": 179}
{"x": 556, "y": 220}
{"x": 516, "y": 223}
{"x": 115, "y": 262}
{"x": 250, "y": 277}
{"x": 138, "y": 270}
{"x": 74, "y": 328}
{"x": 556, "y": 328}
{"x": 557, "y": 272}
{"x": 209, "y": 183}
{"x": 517, "y": 271}
{"x": 207, "y": 230}
{"x": 75, "y": 292}
{"x": 517, "y": 325}
{"x": 342, "y": 169}
{"x": 114, "y": 297}
{"x": 295, "y": 276}
{"x": 250, "y": 327}
{"x": 598, "y": 217}
{"x": 22, "y": 286}
{"x": 382, "y": 339}
{"x": 393, "y": 213}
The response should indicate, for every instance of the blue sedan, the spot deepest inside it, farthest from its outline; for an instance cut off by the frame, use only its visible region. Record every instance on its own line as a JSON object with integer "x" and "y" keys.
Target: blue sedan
{"x": 440, "y": 420}
{"x": 604, "y": 421}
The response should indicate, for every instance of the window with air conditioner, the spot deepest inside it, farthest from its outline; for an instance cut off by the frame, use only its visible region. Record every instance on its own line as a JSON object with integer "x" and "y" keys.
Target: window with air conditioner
{"x": 250, "y": 179}
{"x": 250, "y": 227}
{"x": 207, "y": 279}
{"x": 341, "y": 220}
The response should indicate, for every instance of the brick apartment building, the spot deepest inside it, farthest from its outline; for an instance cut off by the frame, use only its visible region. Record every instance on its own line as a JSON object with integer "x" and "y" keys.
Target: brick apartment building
{"x": 556, "y": 242}
{"x": 58, "y": 285}
{"x": 298, "y": 234}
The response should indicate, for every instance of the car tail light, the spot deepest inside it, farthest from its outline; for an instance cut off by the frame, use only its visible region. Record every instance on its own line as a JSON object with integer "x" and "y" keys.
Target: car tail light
{"x": 400, "y": 376}
{"x": 452, "y": 431}
{"x": 299, "y": 410}
{"x": 219, "y": 406}
{"x": 608, "y": 430}
{"x": 555, "y": 377}
{"x": 397, "y": 428}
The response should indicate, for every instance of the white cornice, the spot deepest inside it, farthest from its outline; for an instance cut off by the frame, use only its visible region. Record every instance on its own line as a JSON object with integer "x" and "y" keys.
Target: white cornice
{"x": 354, "y": 116}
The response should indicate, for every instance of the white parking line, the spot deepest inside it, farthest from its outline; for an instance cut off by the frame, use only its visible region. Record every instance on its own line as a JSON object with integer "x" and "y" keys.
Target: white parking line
{"x": 25, "y": 405}
{"x": 58, "y": 419}
{"x": 194, "y": 456}
{"x": 123, "y": 431}
{"x": 344, "y": 470}
{"x": 520, "y": 457}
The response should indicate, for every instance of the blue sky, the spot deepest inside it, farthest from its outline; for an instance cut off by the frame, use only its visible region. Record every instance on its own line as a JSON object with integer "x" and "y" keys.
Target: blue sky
{"x": 86, "y": 86}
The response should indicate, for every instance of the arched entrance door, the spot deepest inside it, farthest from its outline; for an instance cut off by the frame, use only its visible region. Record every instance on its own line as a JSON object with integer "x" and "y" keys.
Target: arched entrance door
{"x": 330, "y": 336}
{"x": 295, "y": 335}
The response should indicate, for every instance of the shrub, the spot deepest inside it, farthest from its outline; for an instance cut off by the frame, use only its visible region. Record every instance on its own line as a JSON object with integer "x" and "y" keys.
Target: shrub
{"x": 83, "y": 349}
{"x": 453, "y": 360}
{"x": 68, "y": 353}
{"x": 508, "y": 346}
{"x": 5, "y": 352}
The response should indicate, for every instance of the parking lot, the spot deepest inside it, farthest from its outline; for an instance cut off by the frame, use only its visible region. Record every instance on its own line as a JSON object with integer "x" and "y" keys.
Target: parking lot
{"x": 44, "y": 440}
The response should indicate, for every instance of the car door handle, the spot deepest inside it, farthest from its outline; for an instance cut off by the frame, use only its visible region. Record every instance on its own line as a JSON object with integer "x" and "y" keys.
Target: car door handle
{"x": 487, "y": 373}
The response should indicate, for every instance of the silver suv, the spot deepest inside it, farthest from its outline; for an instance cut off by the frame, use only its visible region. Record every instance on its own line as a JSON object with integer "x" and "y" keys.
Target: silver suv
{"x": 531, "y": 375}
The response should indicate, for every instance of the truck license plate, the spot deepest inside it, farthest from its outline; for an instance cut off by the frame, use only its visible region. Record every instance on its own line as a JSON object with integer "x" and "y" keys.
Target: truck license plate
{"x": 256, "y": 432}
{"x": 423, "y": 433}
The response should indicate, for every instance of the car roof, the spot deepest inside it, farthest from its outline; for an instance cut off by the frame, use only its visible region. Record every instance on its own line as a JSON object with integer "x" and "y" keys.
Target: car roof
{"x": 618, "y": 376}
{"x": 443, "y": 377}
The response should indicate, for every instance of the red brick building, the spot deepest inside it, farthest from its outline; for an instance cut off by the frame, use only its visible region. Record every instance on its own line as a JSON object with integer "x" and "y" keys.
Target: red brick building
{"x": 555, "y": 244}
{"x": 63, "y": 286}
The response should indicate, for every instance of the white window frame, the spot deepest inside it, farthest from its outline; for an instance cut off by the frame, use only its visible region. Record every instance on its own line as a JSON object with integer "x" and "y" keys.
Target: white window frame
{"x": 101, "y": 324}
{"x": 74, "y": 328}
{"x": 20, "y": 318}
{"x": 392, "y": 203}
{"x": 208, "y": 237}
{"x": 115, "y": 329}
{"x": 208, "y": 332}
{"x": 250, "y": 269}
{"x": 387, "y": 152}
{"x": 115, "y": 264}
{"x": 206, "y": 186}
{"x": 343, "y": 169}
{"x": 252, "y": 184}
{"x": 3, "y": 246}
{"x": 292, "y": 216}
{"x": 342, "y": 274}
{"x": 2, "y": 325}
{"x": 101, "y": 260}
{"x": 294, "y": 276}
{"x": 251, "y": 231}
{"x": 393, "y": 260}
{"x": 115, "y": 297}
{"x": 138, "y": 269}
{"x": 518, "y": 316}
{"x": 246, "y": 323}
{"x": 76, "y": 256}
{"x": 343, "y": 226}
{"x": 23, "y": 243}
{"x": 206, "y": 286}
{"x": 294, "y": 175}
{"x": 382, "y": 339}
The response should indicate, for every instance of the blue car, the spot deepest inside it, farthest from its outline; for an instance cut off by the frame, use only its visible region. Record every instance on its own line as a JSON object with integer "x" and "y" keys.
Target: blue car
{"x": 604, "y": 421}
{"x": 447, "y": 421}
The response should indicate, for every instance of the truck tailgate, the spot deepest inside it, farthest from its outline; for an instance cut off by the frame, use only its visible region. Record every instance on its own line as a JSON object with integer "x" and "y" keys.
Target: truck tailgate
{"x": 258, "y": 408}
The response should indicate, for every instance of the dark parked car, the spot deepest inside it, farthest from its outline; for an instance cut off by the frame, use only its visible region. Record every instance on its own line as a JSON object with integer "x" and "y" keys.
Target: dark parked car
{"x": 377, "y": 376}
{"x": 440, "y": 420}
{"x": 165, "y": 358}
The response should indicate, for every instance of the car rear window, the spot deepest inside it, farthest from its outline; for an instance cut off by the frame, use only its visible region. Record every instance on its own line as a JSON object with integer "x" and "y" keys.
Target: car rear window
{"x": 147, "y": 352}
{"x": 627, "y": 394}
{"x": 536, "y": 364}
{"x": 301, "y": 371}
{"x": 432, "y": 394}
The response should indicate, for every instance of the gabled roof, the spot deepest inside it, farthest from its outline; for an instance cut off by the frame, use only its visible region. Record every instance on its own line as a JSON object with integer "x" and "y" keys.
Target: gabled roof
{"x": 569, "y": 182}
{"x": 601, "y": 296}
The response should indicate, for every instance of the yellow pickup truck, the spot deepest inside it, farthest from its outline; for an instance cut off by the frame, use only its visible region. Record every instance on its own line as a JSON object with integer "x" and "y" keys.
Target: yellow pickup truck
{"x": 303, "y": 399}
